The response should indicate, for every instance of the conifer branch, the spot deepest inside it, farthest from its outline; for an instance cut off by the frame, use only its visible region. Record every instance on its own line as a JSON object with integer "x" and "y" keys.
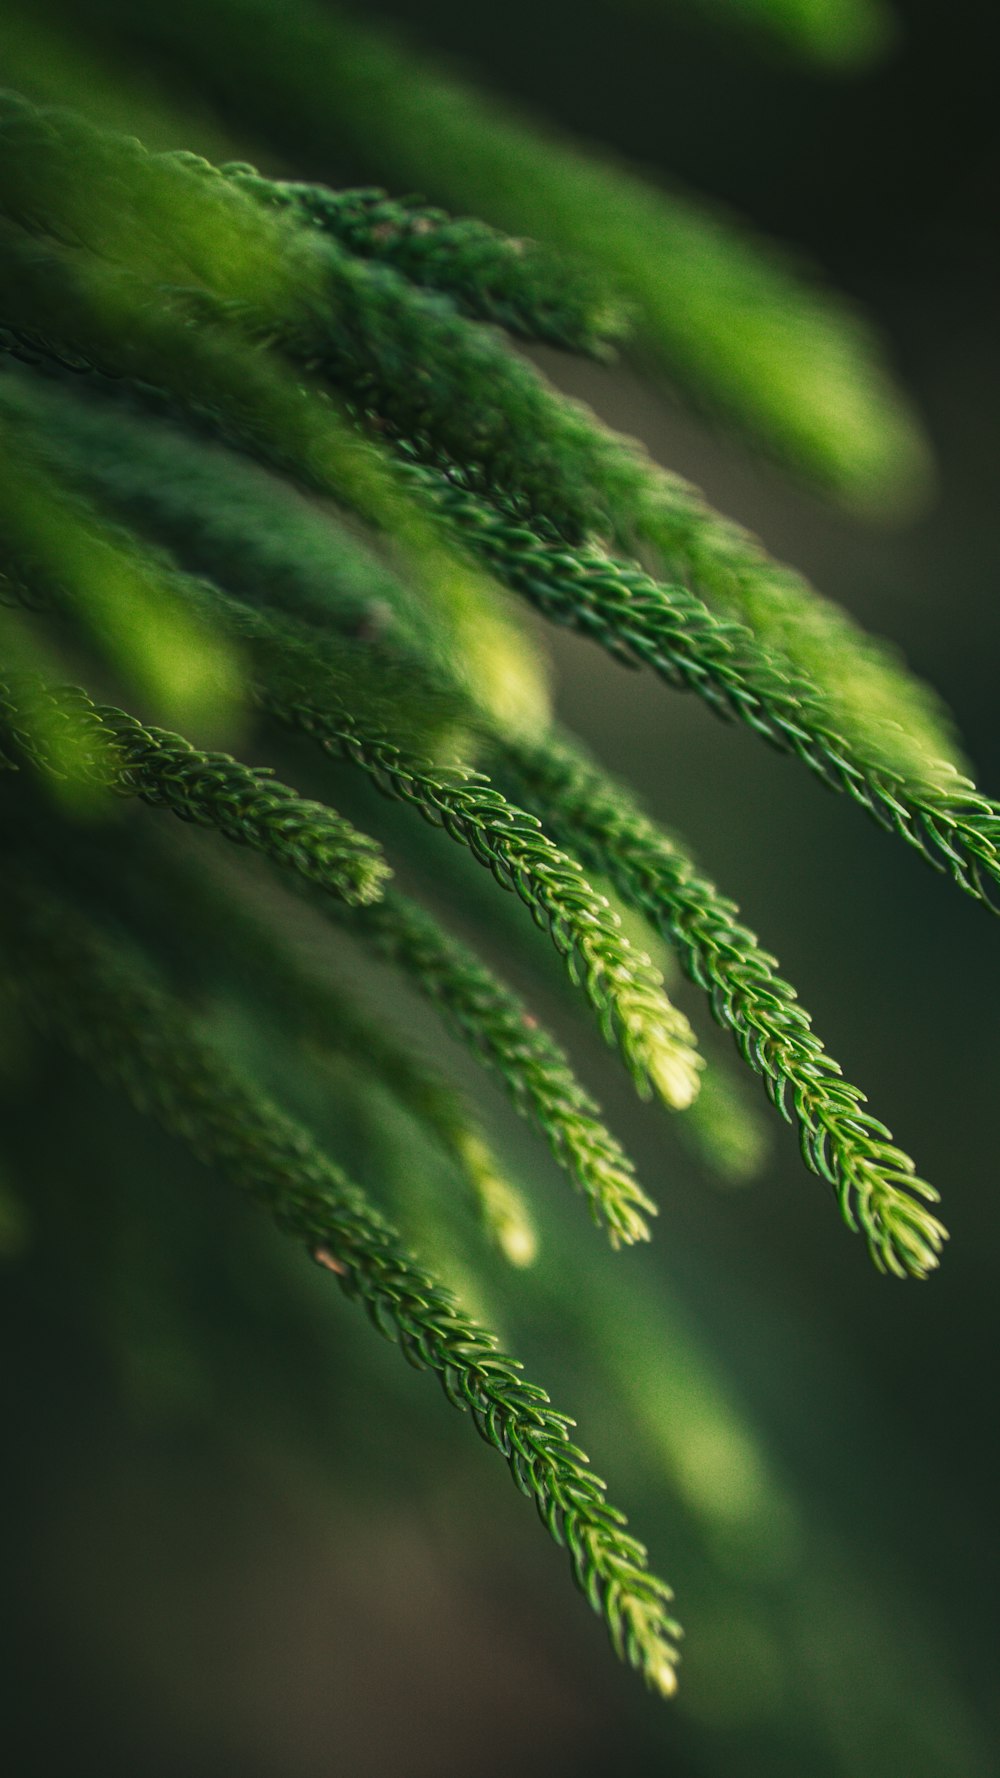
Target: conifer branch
{"x": 730, "y": 315}
{"x": 875, "y": 1182}
{"x": 235, "y": 521}
{"x": 151, "y": 880}
{"x": 80, "y": 312}
{"x": 409, "y": 465}
{"x": 546, "y": 461}
{"x": 870, "y": 693}
{"x": 157, "y": 219}
{"x": 77, "y": 989}
{"x": 527, "y": 289}
{"x": 169, "y": 218}
{"x": 641, "y": 621}
{"x": 252, "y": 534}
{"x": 526, "y": 446}
{"x": 869, "y": 1175}
{"x": 312, "y": 692}
{"x": 335, "y": 1023}
{"x": 669, "y": 626}
{"x": 323, "y": 1014}
{"x": 508, "y": 1039}
{"x": 225, "y": 935}
{"x": 107, "y": 748}
{"x": 654, "y": 1038}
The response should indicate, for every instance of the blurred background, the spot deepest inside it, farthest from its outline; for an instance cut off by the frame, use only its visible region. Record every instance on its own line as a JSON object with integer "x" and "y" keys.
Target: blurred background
{"x": 238, "y": 1535}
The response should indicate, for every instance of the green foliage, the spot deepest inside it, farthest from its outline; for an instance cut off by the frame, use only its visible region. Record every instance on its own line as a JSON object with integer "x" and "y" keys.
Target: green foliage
{"x": 81, "y": 991}
{"x": 114, "y": 751}
{"x": 841, "y": 1141}
{"x": 284, "y": 507}
{"x": 526, "y": 289}
{"x": 727, "y": 313}
{"x": 507, "y": 1037}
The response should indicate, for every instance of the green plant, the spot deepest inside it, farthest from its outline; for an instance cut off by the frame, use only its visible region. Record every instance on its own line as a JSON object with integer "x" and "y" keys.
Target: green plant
{"x": 336, "y": 341}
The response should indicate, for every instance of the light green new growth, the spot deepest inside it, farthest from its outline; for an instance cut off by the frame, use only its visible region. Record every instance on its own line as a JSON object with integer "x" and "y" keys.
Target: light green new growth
{"x": 73, "y": 983}
{"x": 653, "y": 1036}
{"x": 875, "y": 1182}
{"x": 507, "y": 1038}
{"x": 927, "y": 801}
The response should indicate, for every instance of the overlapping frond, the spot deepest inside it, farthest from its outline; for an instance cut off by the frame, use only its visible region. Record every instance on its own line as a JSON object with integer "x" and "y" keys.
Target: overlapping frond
{"x": 112, "y": 750}
{"x": 533, "y": 293}
{"x": 552, "y": 481}
{"x": 336, "y": 572}
{"x": 246, "y": 947}
{"x": 541, "y": 457}
{"x": 882, "y": 765}
{"x": 729, "y": 314}
{"x": 75, "y": 986}
{"x": 875, "y": 1182}
{"x": 653, "y": 1036}
{"x": 506, "y": 1036}
{"x": 313, "y": 692}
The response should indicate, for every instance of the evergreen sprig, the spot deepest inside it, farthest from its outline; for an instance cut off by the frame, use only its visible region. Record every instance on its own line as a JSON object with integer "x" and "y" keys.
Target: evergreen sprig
{"x": 344, "y": 591}
{"x": 107, "y": 748}
{"x": 928, "y": 803}
{"x": 232, "y": 938}
{"x": 653, "y": 1036}
{"x": 308, "y": 689}
{"x": 75, "y": 986}
{"x": 732, "y": 317}
{"x": 875, "y": 1182}
{"x": 507, "y": 1038}
{"x": 533, "y": 293}
{"x": 543, "y": 458}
